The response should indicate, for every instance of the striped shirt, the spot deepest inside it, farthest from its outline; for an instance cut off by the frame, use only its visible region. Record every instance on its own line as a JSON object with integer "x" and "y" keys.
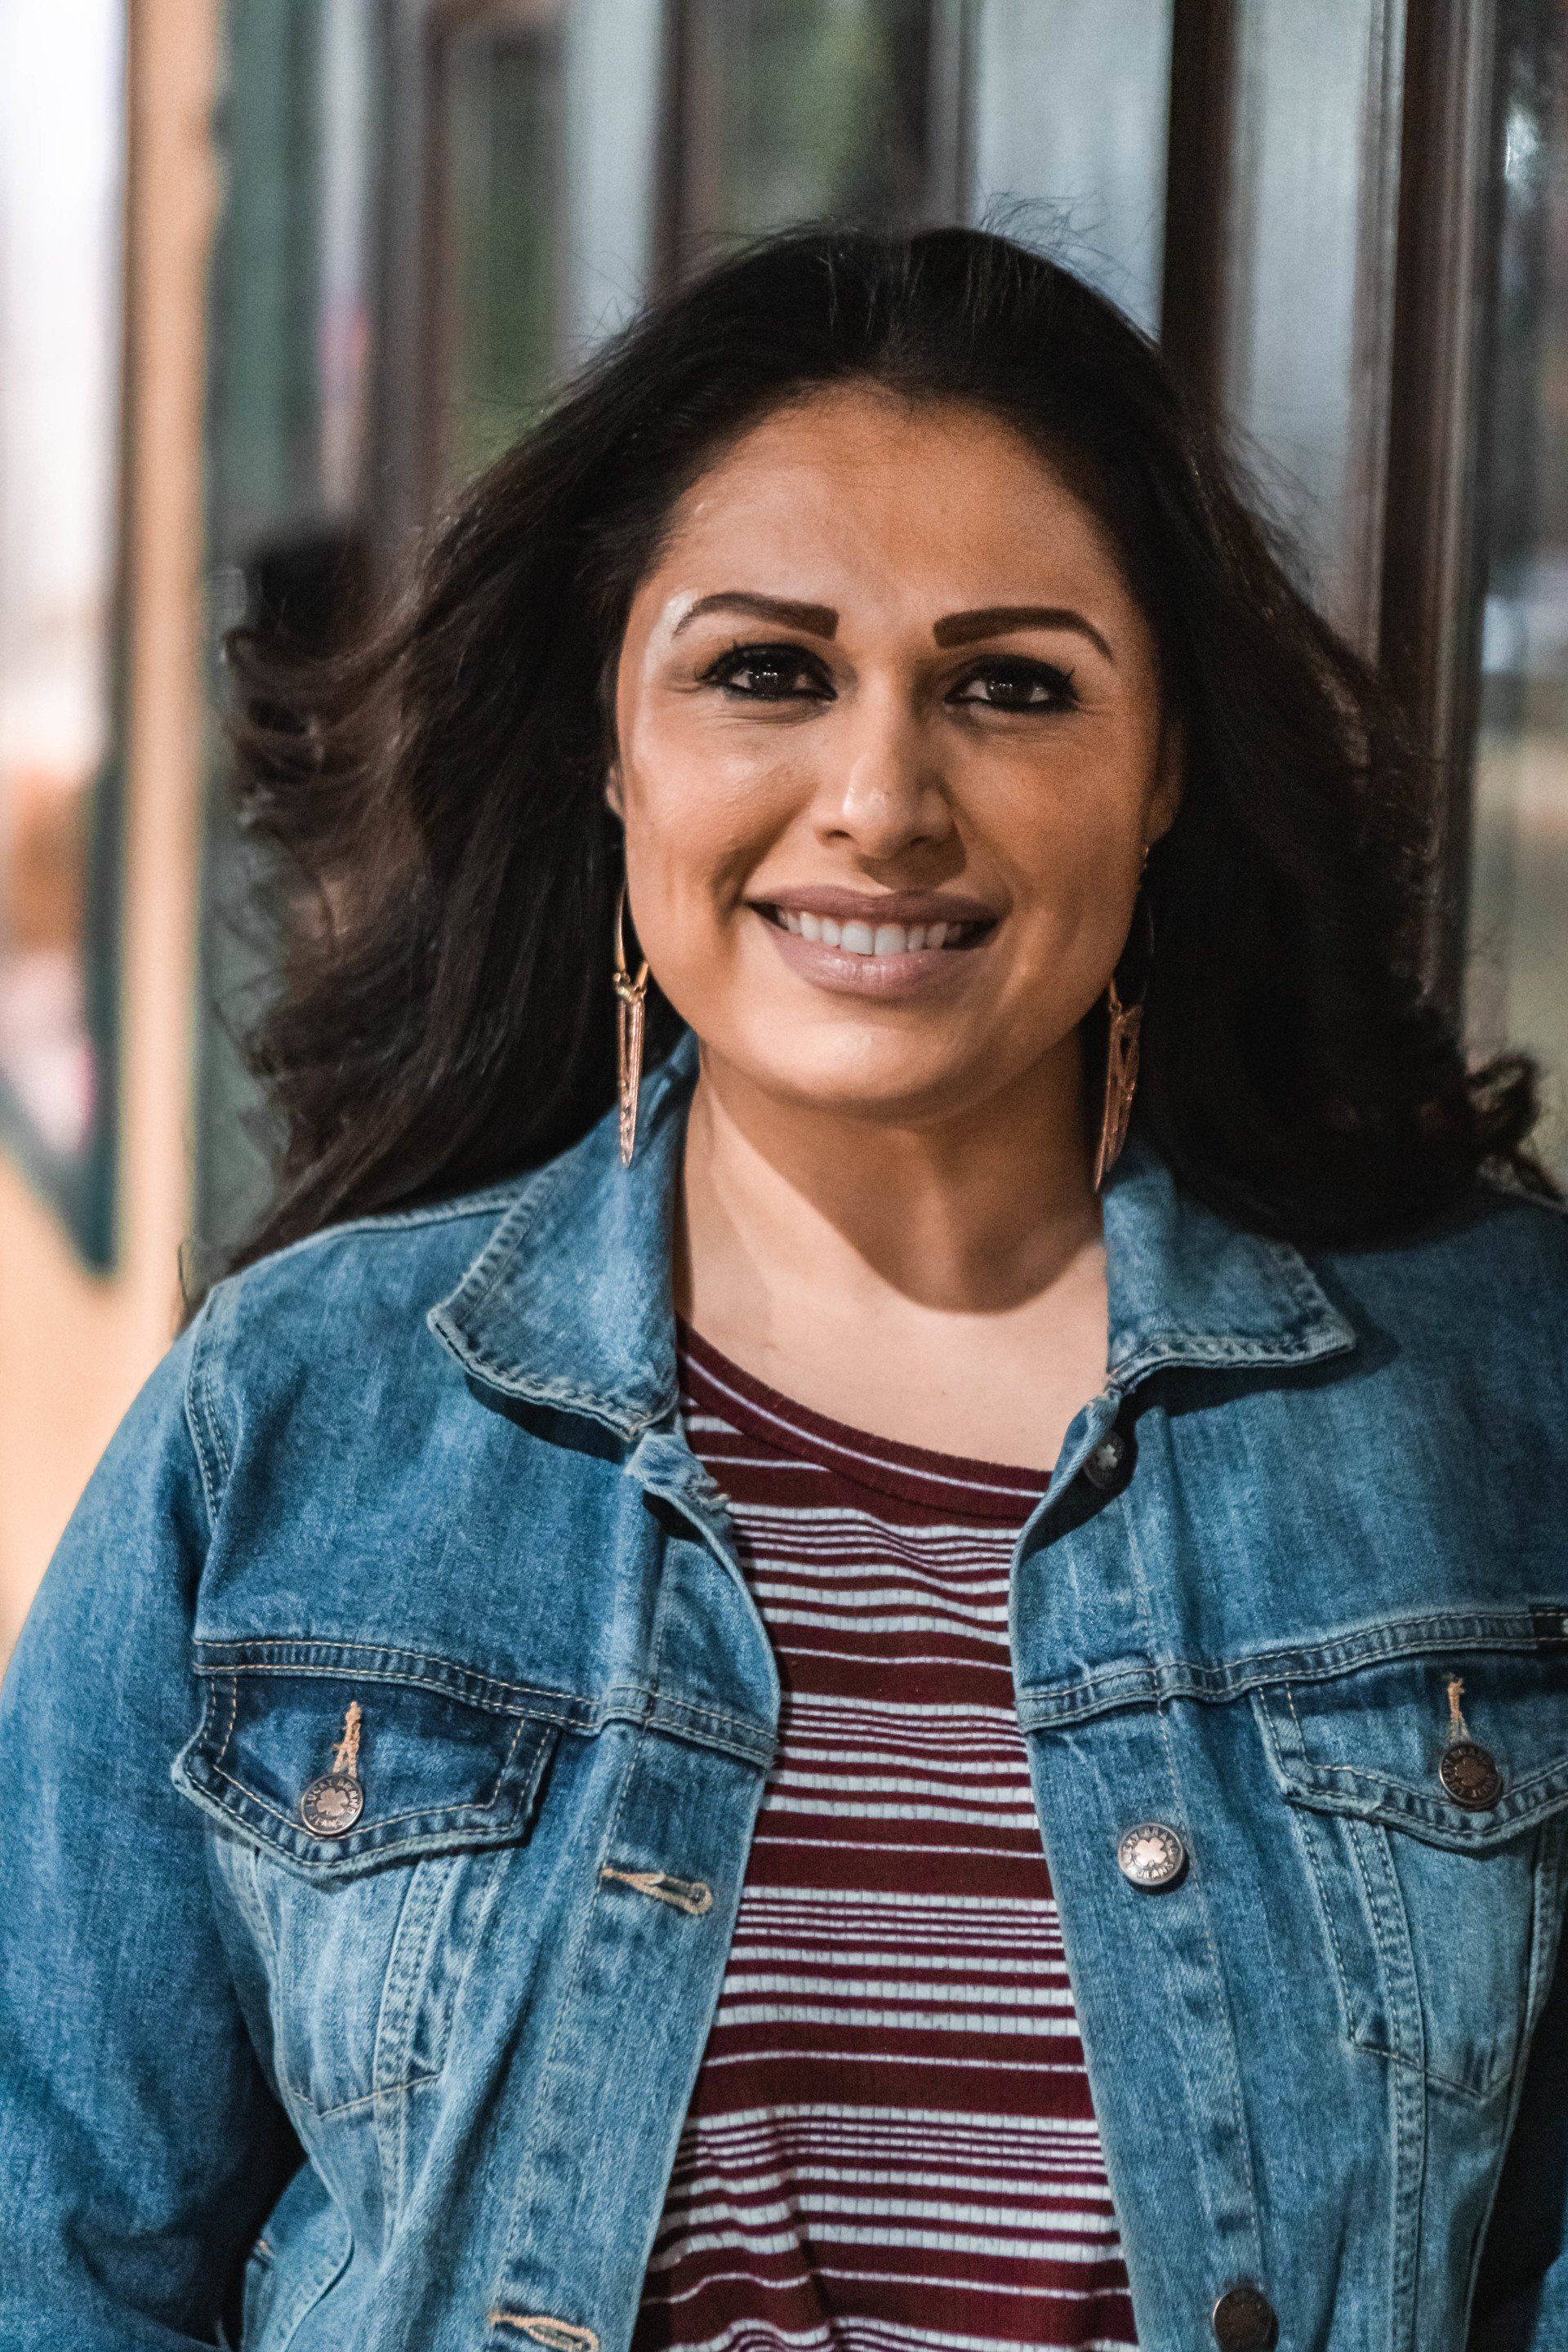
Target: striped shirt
{"x": 891, "y": 2145}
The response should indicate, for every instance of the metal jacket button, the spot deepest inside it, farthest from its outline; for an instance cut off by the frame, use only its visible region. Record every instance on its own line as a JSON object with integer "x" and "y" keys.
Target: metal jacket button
{"x": 1243, "y": 2319}
{"x": 1469, "y": 1773}
{"x": 1150, "y": 1855}
{"x": 331, "y": 1805}
{"x": 1103, "y": 1466}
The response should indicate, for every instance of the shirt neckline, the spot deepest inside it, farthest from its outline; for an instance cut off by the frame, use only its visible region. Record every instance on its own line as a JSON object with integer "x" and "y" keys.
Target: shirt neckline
{"x": 859, "y": 1457}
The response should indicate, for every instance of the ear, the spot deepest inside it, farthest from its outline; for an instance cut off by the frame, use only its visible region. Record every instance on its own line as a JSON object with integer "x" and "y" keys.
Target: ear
{"x": 613, "y": 793}
{"x": 1169, "y": 782}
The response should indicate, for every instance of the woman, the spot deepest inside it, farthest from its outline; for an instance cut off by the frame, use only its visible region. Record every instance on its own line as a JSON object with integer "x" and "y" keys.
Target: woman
{"x": 766, "y": 1692}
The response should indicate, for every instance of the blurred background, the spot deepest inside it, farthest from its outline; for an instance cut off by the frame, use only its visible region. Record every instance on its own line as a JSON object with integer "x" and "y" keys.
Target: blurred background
{"x": 276, "y": 274}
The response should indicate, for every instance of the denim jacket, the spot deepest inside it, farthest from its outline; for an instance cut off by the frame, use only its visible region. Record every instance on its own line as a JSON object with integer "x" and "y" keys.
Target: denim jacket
{"x": 380, "y": 1761}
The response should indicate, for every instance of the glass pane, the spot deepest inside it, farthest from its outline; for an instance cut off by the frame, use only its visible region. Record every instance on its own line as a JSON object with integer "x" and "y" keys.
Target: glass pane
{"x": 614, "y": 71}
{"x": 501, "y": 100}
{"x": 1519, "y": 975}
{"x": 799, "y": 109}
{"x": 61, "y": 74}
{"x": 1310, "y": 216}
{"x": 290, "y": 370}
{"x": 1071, "y": 110}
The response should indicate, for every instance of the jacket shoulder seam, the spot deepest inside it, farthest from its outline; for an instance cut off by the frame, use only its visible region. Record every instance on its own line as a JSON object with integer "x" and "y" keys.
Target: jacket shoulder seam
{"x": 495, "y": 1201}
{"x": 202, "y": 1424}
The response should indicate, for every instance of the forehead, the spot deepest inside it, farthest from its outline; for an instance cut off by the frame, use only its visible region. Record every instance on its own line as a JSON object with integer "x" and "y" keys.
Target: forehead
{"x": 860, "y": 479}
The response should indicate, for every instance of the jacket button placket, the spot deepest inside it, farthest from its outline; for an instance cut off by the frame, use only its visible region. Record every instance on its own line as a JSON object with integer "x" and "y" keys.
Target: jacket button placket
{"x": 1150, "y": 1855}
{"x": 1243, "y": 2319}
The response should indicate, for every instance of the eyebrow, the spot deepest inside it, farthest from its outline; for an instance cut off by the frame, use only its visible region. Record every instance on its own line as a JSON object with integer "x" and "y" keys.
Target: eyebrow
{"x": 815, "y": 619}
{"x": 955, "y": 629}
{"x": 996, "y": 620}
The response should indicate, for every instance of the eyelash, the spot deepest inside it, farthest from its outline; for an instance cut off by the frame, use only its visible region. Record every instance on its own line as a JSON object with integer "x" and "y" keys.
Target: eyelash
{"x": 795, "y": 660}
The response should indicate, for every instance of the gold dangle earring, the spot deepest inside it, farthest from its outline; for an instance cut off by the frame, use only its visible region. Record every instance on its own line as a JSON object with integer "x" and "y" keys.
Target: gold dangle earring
{"x": 630, "y": 998}
{"x": 1123, "y": 1025}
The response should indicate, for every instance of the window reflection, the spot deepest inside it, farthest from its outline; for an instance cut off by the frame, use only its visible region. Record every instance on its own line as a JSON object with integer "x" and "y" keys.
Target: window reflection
{"x": 60, "y": 109}
{"x": 1518, "y": 978}
{"x": 498, "y": 93}
{"x": 798, "y": 108}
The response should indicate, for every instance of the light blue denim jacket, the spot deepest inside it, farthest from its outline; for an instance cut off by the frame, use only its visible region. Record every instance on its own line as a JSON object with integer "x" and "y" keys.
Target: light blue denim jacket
{"x": 429, "y": 1465}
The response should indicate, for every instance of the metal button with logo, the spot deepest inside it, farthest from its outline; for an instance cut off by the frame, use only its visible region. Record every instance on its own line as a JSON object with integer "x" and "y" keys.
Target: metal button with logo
{"x": 1470, "y": 1775}
{"x": 1150, "y": 1855}
{"x": 1243, "y": 2319}
{"x": 331, "y": 1804}
{"x": 1104, "y": 1465}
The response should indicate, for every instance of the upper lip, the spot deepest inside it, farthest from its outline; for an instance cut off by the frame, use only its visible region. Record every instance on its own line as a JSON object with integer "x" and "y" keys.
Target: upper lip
{"x": 877, "y": 906}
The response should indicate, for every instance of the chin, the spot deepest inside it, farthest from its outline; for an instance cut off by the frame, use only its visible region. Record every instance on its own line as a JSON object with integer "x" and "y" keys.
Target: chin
{"x": 890, "y": 1079}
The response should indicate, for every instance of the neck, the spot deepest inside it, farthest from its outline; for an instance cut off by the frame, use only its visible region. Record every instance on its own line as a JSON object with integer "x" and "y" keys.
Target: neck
{"x": 808, "y": 1209}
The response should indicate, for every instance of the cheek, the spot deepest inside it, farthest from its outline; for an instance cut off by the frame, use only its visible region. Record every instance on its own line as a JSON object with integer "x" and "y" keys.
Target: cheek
{"x": 698, "y": 815}
{"x": 1072, "y": 821}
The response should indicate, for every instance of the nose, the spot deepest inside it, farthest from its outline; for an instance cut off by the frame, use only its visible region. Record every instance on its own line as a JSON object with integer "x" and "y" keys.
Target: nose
{"x": 885, "y": 793}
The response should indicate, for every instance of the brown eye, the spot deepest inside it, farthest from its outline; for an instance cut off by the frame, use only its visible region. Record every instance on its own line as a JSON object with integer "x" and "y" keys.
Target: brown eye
{"x": 1017, "y": 684}
{"x": 770, "y": 673}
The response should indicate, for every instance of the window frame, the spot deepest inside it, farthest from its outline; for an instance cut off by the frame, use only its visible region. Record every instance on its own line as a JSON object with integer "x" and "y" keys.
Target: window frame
{"x": 82, "y": 1187}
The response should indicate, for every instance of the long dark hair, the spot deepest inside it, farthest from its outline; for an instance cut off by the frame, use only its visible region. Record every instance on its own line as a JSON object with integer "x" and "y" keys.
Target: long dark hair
{"x": 444, "y": 1015}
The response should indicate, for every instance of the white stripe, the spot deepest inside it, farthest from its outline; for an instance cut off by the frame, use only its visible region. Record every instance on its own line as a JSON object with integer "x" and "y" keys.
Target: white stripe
{"x": 1047, "y": 2249}
{"x": 791, "y": 1776}
{"x": 940, "y": 2280}
{"x": 833, "y": 1964}
{"x": 753, "y": 1406}
{"x": 890, "y": 1902}
{"x": 984, "y": 2022}
{"x": 974, "y": 2062}
{"x": 975, "y": 2120}
{"x": 1050, "y": 1992}
{"x": 703, "y": 2210}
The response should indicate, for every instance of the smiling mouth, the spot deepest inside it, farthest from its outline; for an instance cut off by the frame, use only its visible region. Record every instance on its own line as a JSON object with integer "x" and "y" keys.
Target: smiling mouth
{"x": 857, "y": 938}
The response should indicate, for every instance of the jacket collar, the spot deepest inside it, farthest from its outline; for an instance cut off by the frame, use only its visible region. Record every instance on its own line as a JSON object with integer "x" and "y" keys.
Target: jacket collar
{"x": 568, "y": 1304}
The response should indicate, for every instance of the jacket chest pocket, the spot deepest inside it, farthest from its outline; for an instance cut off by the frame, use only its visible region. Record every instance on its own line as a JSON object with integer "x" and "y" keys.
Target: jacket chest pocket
{"x": 369, "y": 1821}
{"x": 1429, "y": 1799}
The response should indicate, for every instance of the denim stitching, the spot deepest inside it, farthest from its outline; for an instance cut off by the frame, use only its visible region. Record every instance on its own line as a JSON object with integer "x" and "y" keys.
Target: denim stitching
{"x": 1304, "y": 1843}
{"x": 644, "y": 1703}
{"x": 228, "y": 1728}
{"x": 570, "y": 1985}
{"x": 407, "y": 1973}
{"x": 416, "y": 1813}
{"x": 1504, "y": 1632}
{"x": 360, "y": 2099}
{"x": 1196, "y": 1890}
{"x": 371, "y": 1649}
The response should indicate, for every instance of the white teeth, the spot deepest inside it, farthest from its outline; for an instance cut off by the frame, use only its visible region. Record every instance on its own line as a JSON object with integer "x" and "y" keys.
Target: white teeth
{"x": 857, "y": 938}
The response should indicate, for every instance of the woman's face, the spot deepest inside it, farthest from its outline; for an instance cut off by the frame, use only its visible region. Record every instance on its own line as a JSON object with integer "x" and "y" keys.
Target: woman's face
{"x": 889, "y": 750}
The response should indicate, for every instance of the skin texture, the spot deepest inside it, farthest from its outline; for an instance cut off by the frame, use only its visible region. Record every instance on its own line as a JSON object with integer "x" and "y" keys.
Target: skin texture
{"x": 887, "y": 1209}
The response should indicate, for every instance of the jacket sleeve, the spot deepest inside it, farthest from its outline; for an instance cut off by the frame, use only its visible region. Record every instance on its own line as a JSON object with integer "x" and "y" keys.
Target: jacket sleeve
{"x": 1521, "y": 2293}
{"x": 139, "y": 2146}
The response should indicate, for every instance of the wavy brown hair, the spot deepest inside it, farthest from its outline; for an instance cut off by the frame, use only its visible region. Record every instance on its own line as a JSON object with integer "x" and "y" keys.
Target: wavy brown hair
{"x": 443, "y": 1013}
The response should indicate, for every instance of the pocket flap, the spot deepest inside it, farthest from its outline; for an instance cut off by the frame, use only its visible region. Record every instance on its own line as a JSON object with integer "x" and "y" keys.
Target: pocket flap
{"x": 1464, "y": 1750}
{"x": 336, "y": 1771}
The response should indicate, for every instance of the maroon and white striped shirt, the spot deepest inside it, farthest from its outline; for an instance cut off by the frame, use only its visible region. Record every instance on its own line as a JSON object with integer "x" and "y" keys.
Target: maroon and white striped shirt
{"x": 891, "y": 2145}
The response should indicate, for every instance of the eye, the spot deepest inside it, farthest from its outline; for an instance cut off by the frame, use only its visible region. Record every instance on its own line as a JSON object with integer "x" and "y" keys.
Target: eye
{"x": 782, "y": 673}
{"x": 1014, "y": 682}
